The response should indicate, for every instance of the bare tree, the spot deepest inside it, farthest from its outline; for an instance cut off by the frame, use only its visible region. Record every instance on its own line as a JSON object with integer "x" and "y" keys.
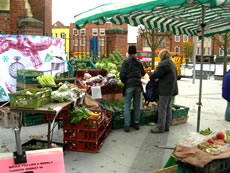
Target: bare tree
{"x": 224, "y": 42}
{"x": 154, "y": 39}
{"x": 187, "y": 50}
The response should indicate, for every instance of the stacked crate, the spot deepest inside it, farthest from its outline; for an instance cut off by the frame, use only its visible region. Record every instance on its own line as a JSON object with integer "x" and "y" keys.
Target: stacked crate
{"x": 88, "y": 135}
{"x": 179, "y": 114}
{"x": 26, "y": 79}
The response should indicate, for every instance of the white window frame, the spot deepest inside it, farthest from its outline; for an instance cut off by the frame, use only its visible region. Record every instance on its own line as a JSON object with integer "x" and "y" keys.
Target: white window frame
{"x": 82, "y": 32}
{"x": 62, "y": 35}
{"x": 209, "y": 51}
{"x": 221, "y": 39}
{"x": 75, "y": 30}
{"x": 94, "y": 32}
{"x": 102, "y": 31}
{"x": 198, "y": 51}
{"x": 75, "y": 42}
{"x": 102, "y": 42}
{"x": 221, "y": 51}
{"x": 177, "y": 48}
{"x": 82, "y": 42}
{"x": 204, "y": 50}
{"x": 177, "y": 38}
{"x": 185, "y": 36}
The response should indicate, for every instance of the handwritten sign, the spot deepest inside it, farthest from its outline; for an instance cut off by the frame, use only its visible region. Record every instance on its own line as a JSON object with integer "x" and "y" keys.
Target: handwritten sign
{"x": 38, "y": 161}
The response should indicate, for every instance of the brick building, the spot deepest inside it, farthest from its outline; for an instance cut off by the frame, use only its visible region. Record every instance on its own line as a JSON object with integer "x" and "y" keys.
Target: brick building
{"x": 28, "y": 17}
{"x": 107, "y": 39}
{"x": 174, "y": 44}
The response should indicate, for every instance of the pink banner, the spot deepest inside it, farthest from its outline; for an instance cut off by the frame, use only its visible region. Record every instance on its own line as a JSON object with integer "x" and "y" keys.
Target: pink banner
{"x": 52, "y": 162}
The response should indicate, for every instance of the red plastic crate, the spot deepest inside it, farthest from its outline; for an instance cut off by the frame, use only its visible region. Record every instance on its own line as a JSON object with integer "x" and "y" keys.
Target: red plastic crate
{"x": 63, "y": 112}
{"x": 80, "y": 74}
{"x": 84, "y": 135}
{"x": 87, "y": 140}
{"x": 82, "y": 146}
{"x": 90, "y": 124}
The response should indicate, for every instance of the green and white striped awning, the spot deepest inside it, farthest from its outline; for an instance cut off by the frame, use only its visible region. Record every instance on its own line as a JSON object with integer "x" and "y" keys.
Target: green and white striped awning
{"x": 177, "y": 16}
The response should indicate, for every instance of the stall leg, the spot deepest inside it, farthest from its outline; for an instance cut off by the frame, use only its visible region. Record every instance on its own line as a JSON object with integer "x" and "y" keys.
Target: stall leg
{"x": 48, "y": 136}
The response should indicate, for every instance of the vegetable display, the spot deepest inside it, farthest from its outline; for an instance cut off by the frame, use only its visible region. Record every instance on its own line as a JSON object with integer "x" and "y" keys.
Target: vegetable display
{"x": 46, "y": 81}
{"x": 80, "y": 113}
{"x": 112, "y": 65}
{"x": 62, "y": 94}
{"x": 80, "y": 65}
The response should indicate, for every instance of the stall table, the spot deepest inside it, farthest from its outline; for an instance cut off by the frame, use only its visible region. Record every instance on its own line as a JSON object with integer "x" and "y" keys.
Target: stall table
{"x": 48, "y": 109}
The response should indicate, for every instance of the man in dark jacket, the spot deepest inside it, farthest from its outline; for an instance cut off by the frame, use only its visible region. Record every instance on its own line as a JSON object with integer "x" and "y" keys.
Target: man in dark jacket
{"x": 131, "y": 72}
{"x": 226, "y": 94}
{"x": 166, "y": 74}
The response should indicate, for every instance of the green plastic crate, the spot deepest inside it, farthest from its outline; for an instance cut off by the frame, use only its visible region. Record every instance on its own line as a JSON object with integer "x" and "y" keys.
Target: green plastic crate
{"x": 38, "y": 98}
{"x": 180, "y": 111}
{"x": 148, "y": 115}
{"x": 32, "y": 119}
{"x": 28, "y": 76}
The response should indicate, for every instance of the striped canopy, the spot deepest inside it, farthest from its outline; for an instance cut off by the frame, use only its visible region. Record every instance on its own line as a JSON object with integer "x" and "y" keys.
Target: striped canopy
{"x": 177, "y": 16}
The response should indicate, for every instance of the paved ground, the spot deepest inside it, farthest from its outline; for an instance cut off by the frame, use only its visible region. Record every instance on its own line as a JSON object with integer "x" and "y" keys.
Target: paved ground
{"x": 135, "y": 152}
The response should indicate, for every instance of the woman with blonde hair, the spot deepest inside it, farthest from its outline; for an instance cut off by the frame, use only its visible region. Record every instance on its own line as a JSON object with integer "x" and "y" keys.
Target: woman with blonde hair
{"x": 166, "y": 74}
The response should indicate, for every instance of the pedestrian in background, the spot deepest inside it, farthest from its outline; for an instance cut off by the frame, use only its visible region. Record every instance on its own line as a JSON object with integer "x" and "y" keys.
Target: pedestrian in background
{"x": 166, "y": 73}
{"x": 226, "y": 94}
{"x": 131, "y": 72}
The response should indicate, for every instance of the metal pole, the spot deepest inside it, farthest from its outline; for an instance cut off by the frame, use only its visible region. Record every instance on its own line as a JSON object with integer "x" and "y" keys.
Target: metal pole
{"x": 194, "y": 60}
{"x": 18, "y": 141}
{"x": 201, "y": 69}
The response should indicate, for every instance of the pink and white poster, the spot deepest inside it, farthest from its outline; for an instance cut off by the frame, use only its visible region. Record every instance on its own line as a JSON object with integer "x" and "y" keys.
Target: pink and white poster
{"x": 38, "y": 161}
{"x": 42, "y": 53}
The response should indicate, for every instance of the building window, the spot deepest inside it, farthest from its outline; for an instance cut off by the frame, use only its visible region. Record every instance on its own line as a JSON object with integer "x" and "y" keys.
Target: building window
{"x": 177, "y": 49}
{"x": 209, "y": 51}
{"x": 75, "y": 32}
{"x": 82, "y": 32}
{"x": 63, "y": 35}
{"x": 209, "y": 39}
{"x": 162, "y": 45}
{"x": 82, "y": 42}
{"x": 221, "y": 39}
{"x": 198, "y": 39}
{"x": 185, "y": 38}
{"x": 198, "y": 51}
{"x": 102, "y": 42}
{"x": 75, "y": 42}
{"x": 177, "y": 38}
{"x": 146, "y": 43}
{"x": 94, "y": 32}
{"x": 102, "y": 32}
{"x": 221, "y": 52}
{"x": 204, "y": 51}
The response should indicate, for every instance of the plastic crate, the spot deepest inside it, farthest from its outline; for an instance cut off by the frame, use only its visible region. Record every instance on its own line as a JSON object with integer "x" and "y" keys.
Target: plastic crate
{"x": 20, "y": 99}
{"x": 180, "y": 120}
{"x": 23, "y": 86}
{"x": 33, "y": 119}
{"x": 215, "y": 166}
{"x": 71, "y": 70}
{"x": 28, "y": 76}
{"x": 92, "y": 124}
{"x": 179, "y": 111}
{"x": 83, "y": 146}
{"x": 149, "y": 115}
{"x": 87, "y": 140}
{"x": 80, "y": 75}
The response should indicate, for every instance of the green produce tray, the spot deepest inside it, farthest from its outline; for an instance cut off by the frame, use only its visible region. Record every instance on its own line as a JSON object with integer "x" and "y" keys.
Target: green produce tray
{"x": 20, "y": 99}
{"x": 28, "y": 76}
{"x": 180, "y": 111}
{"x": 148, "y": 115}
{"x": 32, "y": 119}
{"x": 70, "y": 68}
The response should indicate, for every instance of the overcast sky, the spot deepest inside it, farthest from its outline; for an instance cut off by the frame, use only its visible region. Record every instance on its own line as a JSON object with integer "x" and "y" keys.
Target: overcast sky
{"x": 64, "y": 11}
